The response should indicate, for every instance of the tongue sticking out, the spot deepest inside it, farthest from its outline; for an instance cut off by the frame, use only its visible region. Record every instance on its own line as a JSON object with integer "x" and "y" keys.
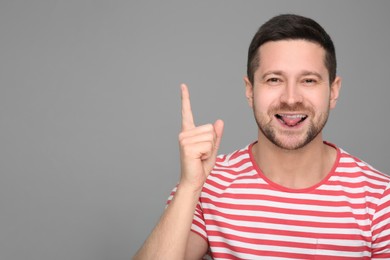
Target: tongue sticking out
{"x": 291, "y": 120}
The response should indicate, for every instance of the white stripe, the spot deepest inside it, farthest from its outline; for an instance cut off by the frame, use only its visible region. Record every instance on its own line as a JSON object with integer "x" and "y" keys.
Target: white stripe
{"x": 248, "y": 175}
{"x": 244, "y": 255}
{"x": 384, "y": 233}
{"x": 358, "y": 190}
{"x": 284, "y": 227}
{"x": 282, "y": 205}
{"x": 360, "y": 170}
{"x": 199, "y": 230}
{"x": 279, "y": 249}
{"x": 221, "y": 170}
{"x": 299, "y": 196}
{"x": 359, "y": 180}
{"x": 360, "y": 163}
{"x": 284, "y": 217}
{"x": 307, "y": 240}
{"x": 238, "y": 159}
{"x": 215, "y": 177}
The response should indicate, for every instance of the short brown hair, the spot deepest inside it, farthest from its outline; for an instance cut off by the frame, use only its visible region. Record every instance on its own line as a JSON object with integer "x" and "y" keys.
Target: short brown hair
{"x": 291, "y": 27}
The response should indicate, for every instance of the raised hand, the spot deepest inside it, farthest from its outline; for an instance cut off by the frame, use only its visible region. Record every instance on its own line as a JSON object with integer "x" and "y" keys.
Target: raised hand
{"x": 198, "y": 145}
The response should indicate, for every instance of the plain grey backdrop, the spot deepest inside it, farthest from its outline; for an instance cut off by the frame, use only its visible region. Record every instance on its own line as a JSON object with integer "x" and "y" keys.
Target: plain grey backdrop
{"x": 90, "y": 108}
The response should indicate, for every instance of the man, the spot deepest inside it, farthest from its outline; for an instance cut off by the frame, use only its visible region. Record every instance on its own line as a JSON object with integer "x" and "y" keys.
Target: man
{"x": 289, "y": 195}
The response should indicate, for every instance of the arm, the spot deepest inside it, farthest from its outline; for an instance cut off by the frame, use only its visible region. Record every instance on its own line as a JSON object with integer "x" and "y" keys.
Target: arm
{"x": 171, "y": 238}
{"x": 196, "y": 247}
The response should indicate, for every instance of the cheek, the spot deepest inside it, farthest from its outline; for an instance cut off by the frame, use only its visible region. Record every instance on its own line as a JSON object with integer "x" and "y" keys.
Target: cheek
{"x": 325, "y": 101}
{"x": 320, "y": 108}
{"x": 261, "y": 101}
{"x": 320, "y": 100}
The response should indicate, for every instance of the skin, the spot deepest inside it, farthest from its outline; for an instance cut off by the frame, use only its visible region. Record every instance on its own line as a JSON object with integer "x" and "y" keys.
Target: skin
{"x": 171, "y": 238}
{"x": 282, "y": 85}
{"x": 292, "y": 80}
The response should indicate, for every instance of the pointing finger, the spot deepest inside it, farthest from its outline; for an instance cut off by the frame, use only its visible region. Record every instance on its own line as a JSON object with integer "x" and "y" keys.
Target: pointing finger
{"x": 187, "y": 118}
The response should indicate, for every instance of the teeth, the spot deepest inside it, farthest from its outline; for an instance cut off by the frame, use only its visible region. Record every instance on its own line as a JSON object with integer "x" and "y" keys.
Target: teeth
{"x": 293, "y": 116}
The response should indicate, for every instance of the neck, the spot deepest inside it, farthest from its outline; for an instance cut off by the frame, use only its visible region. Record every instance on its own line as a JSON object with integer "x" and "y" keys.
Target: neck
{"x": 296, "y": 169}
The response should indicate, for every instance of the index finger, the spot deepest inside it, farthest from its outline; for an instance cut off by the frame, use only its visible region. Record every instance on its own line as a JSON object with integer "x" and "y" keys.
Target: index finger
{"x": 186, "y": 112}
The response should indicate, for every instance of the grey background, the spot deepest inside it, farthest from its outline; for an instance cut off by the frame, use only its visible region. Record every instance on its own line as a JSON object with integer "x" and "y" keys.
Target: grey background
{"x": 90, "y": 108}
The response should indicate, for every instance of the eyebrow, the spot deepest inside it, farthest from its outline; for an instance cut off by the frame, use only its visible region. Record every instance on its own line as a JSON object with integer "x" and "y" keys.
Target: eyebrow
{"x": 273, "y": 72}
{"x": 311, "y": 73}
{"x": 303, "y": 73}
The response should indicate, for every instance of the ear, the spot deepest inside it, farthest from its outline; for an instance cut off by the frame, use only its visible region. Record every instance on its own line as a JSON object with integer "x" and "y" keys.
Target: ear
{"x": 334, "y": 92}
{"x": 248, "y": 91}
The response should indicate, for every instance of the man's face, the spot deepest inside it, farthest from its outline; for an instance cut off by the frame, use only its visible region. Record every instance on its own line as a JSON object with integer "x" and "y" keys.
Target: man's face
{"x": 291, "y": 95}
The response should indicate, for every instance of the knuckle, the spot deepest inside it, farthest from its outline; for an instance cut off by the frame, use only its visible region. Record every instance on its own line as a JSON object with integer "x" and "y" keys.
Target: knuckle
{"x": 210, "y": 137}
{"x": 209, "y": 127}
{"x": 183, "y": 141}
{"x": 211, "y": 145}
{"x": 181, "y": 136}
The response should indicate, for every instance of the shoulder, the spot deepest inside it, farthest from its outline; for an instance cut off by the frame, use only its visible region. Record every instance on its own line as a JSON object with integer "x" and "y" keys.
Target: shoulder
{"x": 237, "y": 161}
{"x": 232, "y": 167}
{"x": 355, "y": 171}
{"x": 353, "y": 164}
{"x": 233, "y": 159}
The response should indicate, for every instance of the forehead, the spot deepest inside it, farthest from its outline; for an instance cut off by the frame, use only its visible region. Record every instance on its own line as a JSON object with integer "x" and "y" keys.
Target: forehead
{"x": 291, "y": 56}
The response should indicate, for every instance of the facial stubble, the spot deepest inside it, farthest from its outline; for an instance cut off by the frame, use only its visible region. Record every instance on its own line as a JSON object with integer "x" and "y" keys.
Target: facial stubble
{"x": 264, "y": 123}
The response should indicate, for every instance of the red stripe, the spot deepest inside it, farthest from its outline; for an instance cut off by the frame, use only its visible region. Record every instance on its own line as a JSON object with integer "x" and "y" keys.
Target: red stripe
{"x": 291, "y": 208}
{"x": 264, "y": 229}
{"x": 362, "y": 189}
{"x": 263, "y": 220}
{"x": 257, "y": 251}
{"x": 292, "y": 244}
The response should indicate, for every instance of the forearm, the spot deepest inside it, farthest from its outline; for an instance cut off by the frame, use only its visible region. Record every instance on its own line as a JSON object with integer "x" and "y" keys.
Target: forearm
{"x": 198, "y": 152}
{"x": 169, "y": 238}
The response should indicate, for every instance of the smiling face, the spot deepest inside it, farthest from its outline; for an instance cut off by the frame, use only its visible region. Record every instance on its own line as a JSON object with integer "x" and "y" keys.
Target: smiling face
{"x": 291, "y": 95}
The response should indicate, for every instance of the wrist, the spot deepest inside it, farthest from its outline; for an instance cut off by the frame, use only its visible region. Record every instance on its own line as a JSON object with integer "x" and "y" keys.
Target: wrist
{"x": 189, "y": 188}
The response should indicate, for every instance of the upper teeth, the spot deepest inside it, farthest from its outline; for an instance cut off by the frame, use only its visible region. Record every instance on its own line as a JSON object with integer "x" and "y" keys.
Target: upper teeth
{"x": 294, "y": 116}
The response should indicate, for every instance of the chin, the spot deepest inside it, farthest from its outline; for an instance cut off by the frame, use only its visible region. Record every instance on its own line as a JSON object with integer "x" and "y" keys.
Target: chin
{"x": 290, "y": 145}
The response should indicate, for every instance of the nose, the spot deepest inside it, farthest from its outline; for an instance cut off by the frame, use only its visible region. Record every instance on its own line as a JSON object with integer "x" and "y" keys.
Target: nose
{"x": 291, "y": 94}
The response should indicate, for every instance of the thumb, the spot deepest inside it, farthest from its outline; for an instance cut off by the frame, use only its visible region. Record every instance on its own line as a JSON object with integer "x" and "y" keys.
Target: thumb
{"x": 218, "y": 128}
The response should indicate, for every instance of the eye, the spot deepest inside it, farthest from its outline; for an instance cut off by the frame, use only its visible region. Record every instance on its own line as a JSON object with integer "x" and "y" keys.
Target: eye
{"x": 309, "y": 81}
{"x": 273, "y": 81}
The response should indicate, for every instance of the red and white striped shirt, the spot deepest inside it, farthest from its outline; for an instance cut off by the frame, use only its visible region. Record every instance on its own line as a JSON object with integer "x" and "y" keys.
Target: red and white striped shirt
{"x": 243, "y": 215}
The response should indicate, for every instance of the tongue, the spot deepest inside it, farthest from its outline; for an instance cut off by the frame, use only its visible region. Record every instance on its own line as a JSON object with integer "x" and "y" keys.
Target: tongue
{"x": 291, "y": 121}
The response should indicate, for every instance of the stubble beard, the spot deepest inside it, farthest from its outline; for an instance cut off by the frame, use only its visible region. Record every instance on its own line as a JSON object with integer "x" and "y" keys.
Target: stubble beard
{"x": 277, "y": 137}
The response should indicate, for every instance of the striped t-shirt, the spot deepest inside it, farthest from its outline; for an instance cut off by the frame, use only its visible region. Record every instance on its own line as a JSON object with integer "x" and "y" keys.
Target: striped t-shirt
{"x": 244, "y": 215}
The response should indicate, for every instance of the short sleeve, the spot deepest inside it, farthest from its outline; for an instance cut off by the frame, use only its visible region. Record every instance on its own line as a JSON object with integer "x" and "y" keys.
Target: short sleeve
{"x": 381, "y": 227}
{"x": 198, "y": 223}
